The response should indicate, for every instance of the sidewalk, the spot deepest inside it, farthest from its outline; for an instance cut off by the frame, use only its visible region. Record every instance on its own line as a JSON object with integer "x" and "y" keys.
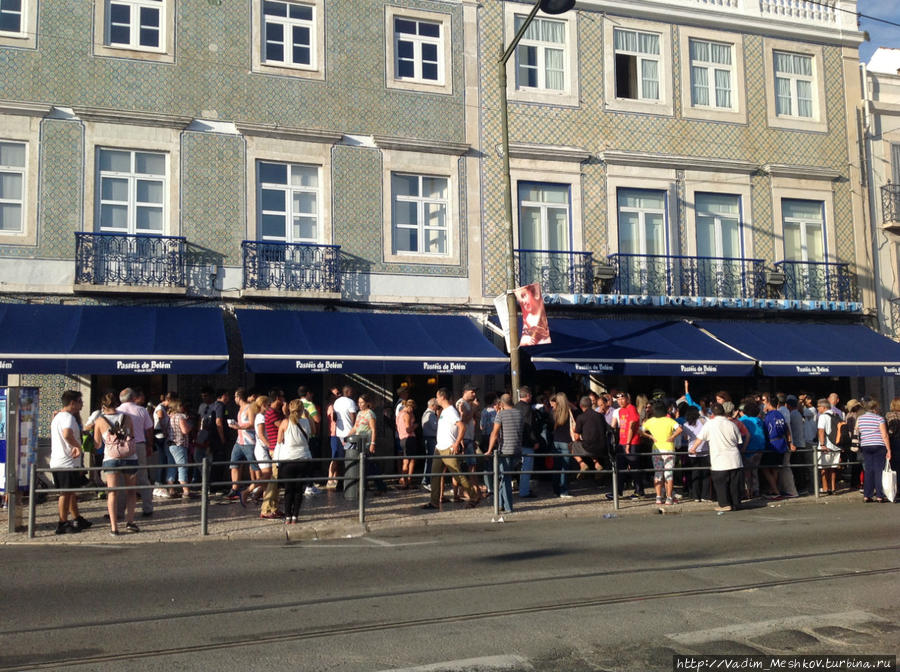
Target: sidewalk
{"x": 329, "y": 516}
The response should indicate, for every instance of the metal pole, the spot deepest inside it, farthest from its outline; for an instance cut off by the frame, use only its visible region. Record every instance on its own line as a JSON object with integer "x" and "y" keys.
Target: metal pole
{"x": 204, "y": 497}
{"x": 815, "y": 475}
{"x": 615, "y": 483}
{"x": 32, "y": 484}
{"x": 362, "y": 487}
{"x": 496, "y": 483}
{"x": 511, "y": 305}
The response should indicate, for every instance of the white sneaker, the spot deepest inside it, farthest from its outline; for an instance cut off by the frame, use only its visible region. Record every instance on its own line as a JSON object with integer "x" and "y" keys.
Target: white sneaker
{"x": 311, "y": 490}
{"x": 426, "y": 487}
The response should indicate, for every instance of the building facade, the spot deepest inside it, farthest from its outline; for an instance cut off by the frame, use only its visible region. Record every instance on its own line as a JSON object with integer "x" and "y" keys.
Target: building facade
{"x": 881, "y": 124}
{"x": 668, "y": 158}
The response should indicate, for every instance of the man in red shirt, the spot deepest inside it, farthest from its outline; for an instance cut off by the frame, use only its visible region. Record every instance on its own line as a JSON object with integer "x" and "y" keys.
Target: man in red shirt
{"x": 627, "y": 455}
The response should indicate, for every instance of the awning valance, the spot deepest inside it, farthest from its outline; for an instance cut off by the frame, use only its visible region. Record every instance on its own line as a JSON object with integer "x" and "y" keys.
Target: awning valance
{"x": 810, "y": 349}
{"x": 284, "y": 341}
{"x": 637, "y": 348}
{"x": 55, "y": 339}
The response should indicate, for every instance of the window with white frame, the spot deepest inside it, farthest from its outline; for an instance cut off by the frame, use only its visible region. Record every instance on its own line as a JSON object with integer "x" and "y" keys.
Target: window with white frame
{"x": 804, "y": 230}
{"x": 131, "y": 191}
{"x": 11, "y": 16}
{"x": 637, "y": 61}
{"x": 718, "y": 219}
{"x": 12, "y": 186}
{"x": 794, "y": 85}
{"x": 642, "y": 221}
{"x": 541, "y": 55}
{"x": 418, "y": 50}
{"x": 289, "y": 31}
{"x": 135, "y": 24}
{"x": 420, "y": 205}
{"x": 711, "y": 74}
{"x": 288, "y": 202}
{"x": 544, "y": 216}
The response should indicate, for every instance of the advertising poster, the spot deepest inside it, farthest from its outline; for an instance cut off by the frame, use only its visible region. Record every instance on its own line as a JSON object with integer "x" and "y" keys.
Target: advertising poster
{"x": 535, "y": 330}
{"x": 26, "y": 421}
{"x": 29, "y": 398}
{"x": 3, "y": 420}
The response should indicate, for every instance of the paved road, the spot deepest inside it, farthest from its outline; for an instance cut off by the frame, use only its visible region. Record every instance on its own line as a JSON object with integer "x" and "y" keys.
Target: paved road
{"x": 586, "y": 594}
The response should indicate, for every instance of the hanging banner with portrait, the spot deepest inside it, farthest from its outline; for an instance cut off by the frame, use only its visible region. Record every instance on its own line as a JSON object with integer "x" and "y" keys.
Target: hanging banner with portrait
{"x": 535, "y": 330}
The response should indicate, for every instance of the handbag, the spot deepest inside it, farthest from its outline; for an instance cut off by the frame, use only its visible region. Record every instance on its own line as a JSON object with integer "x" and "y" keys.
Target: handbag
{"x": 889, "y": 482}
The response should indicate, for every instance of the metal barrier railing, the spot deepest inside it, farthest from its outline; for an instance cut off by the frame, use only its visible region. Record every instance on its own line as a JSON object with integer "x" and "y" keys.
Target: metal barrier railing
{"x": 362, "y": 477}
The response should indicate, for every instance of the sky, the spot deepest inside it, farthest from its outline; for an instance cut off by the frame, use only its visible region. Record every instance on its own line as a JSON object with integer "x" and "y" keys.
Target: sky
{"x": 880, "y": 34}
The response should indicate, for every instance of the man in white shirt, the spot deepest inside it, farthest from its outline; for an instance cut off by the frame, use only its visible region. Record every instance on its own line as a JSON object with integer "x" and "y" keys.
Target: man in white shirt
{"x": 133, "y": 404}
{"x": 829, "y": 454}
{"x": 450, "y": 433}
{"x": 65, "y": 453}
{"x": 725, "y": 463}
{"x": 345, "y": 410}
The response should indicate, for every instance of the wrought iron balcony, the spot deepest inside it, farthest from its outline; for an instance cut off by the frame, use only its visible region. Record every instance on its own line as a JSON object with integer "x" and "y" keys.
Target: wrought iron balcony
{"x": 142, "y": 260}
{"x": 558, "y": 271}
{"x": 291, "y": 267}
{"x": 890, "y": 205}
{"x": 674, "y": 275}
{"x": 817, "y": 281}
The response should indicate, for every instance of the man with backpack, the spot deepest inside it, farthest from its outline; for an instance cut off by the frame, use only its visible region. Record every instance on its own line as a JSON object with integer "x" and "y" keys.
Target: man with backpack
{"x": 829, "y": 452}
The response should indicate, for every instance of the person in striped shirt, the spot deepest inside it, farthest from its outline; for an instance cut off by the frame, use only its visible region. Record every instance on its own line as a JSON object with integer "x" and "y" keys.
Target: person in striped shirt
{"x": 875, "y": 449}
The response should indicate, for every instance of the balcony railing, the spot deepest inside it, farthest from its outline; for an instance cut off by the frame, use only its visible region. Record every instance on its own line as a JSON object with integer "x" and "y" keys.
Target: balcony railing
{"x": 673, "y": 275}
{"x": 890, "y": 204}
{"x": 558, "y": 271}
{"x": 141, "y": 260}
{"x": 817, "y": 281}
{"x": 291, "y": 267}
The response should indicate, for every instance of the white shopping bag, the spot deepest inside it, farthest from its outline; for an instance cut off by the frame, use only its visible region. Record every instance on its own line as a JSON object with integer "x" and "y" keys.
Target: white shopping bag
{"x": 889, "y": 482}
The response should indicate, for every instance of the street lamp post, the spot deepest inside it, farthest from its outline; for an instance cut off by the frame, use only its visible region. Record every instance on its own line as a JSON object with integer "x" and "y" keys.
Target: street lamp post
{"x": 548, "y": 7}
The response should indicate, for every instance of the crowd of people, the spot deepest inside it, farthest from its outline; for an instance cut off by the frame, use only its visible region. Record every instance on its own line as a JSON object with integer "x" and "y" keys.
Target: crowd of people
{"x": 707, "y": 449}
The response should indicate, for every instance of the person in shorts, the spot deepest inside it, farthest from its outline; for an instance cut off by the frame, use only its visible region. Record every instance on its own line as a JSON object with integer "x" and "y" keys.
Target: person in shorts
{"x": 829, "y": 453}
{"x": 662, "y": 430}
{"x": 65, "y": 453}
{"x": 115, "y": 431}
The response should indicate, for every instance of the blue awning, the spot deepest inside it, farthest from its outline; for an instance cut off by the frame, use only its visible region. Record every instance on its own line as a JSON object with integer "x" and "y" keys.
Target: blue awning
{"x": 811, "y": 349}
{"x": 44, "y": 339}
{"x": 281, "y": 341}
{"x": 636, "y": 348}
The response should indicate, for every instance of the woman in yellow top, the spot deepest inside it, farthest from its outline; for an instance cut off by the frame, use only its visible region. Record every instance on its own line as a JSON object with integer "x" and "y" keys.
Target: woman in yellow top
{"x": 662, "y": 430}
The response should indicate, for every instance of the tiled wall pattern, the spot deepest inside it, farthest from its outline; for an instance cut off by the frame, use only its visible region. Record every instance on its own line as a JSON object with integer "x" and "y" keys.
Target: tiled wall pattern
{"x": 212, "y": 78}
{"x": 212, "y": 72}
{"x": 61, "y": 188}
{"x": 592, "y": 128}
{"x": 214, "y": 207}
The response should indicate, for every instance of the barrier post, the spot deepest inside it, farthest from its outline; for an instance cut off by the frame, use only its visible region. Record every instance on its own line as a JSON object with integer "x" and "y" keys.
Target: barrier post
{"x": 362, "y": 486}
{"x": 496, "y": 478}
{"x": 815, "y": 476}
{"x": 204, "y": 497}
{"x": 32, "y": 482}
{"x": 615, "y": 482}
